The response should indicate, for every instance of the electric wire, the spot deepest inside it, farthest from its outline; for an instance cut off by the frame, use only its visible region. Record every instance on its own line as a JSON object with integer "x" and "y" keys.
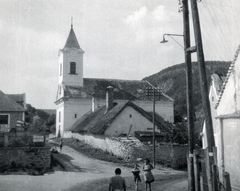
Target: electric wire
{"x": 217, "y": 23}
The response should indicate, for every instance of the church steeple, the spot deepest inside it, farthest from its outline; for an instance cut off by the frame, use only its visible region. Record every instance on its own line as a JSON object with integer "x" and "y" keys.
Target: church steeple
{"x": 72, "y": 41}
{"x": 71, "y": 61}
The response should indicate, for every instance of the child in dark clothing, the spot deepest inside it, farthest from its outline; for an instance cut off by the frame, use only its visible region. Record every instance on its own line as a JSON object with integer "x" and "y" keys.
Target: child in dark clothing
{"x": 136, "y": 175}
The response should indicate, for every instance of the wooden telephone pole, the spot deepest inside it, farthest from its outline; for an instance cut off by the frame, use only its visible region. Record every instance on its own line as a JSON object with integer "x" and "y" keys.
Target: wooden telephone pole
{"x": 190, "y": 110}
{"x": 204, "y": 91}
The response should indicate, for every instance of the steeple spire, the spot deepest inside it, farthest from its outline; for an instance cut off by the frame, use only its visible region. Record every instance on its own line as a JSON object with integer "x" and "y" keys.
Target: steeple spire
{"x": 72, "y": 41}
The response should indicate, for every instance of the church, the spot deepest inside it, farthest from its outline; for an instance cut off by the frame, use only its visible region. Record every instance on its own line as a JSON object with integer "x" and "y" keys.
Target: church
{"x": 77, "y": 95}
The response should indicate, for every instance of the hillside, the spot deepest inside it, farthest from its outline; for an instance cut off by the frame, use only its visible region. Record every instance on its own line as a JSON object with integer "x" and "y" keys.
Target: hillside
{"x": 172, "y": 80}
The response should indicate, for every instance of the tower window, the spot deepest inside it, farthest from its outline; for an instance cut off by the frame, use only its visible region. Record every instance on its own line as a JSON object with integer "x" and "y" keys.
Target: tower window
{"x": 60, "y": 69}
{"x": 72, "y": 67}
{"x": 59, "y": 116}
{"x": 75, "y": 115}
{"x": 60, "y": 88}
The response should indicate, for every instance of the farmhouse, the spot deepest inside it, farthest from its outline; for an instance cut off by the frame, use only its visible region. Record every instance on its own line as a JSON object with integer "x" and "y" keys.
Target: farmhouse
{"x": 114, "y": 120}
{"x": 224, "y": 98}
{"x": 12, "y": 108}
{"x": 76, "y": 94}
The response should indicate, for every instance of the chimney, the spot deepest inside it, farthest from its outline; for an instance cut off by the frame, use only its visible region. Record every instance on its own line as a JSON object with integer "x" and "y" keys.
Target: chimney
{"x": 109, "y": 98}
{"x": 95, "y": 102}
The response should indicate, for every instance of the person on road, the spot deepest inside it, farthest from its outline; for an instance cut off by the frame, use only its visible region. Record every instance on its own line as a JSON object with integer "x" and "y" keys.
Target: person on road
{"x": 117, "y": 183}
{"x": 148, "y": 176}
{"x": 60, "y": 145}
{"x": 136, "y": 175}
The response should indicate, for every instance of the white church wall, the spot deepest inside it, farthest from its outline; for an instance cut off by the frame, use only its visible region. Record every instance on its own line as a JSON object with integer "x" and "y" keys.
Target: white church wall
{"x": 74, "y": 109}
{"x": 59, "y": 119}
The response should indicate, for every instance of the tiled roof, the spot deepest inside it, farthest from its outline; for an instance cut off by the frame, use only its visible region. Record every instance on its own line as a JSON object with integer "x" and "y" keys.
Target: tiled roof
{"x": 227, "y": 77}
{"x": 19, "y": 98}
{"x": 123, "y": 89}
{"x": 72, "y": 41}
{"x": 8, "y": 104}
{"x": 97, "y": 122}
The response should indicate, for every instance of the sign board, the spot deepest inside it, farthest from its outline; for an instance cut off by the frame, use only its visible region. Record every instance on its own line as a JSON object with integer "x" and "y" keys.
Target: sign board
{"x": 38, "y": 138}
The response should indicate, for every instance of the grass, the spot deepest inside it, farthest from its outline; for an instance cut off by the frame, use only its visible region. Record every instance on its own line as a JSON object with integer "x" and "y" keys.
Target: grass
{"x": 92, "y": 152}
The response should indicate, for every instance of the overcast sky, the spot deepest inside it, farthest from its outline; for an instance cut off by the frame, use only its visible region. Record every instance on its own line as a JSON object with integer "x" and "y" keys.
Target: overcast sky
{"x": 120, "y": 39}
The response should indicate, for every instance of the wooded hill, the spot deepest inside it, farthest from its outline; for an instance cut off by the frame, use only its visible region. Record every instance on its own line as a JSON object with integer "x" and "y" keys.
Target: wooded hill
{"x": 172, "y": 80}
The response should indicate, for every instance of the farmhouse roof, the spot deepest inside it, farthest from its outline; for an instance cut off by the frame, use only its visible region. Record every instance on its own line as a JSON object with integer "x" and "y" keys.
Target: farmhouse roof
{"x": 19, "y": 98}
{"x": 97, "y": 122}
{"x": 8, "y": 104}
{"x": 123, "y": 89}
{"x": 230, "y": 70}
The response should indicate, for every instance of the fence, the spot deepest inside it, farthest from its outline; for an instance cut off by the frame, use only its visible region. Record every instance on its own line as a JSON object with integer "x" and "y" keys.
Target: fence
{"x": 21, "y": 140}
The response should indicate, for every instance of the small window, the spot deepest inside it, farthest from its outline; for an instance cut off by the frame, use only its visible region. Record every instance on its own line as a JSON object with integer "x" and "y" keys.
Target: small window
{"x": 75, "y": 115}
{"x": 60, "y": 69}
{"x": 130, "y": 115}
{"x": 72, "y": 67}
{"x": 212, "y": 99}
{"x": 59, "y": 116}
{"x": 3, "y": 119}
{"x": 60, "y": 88}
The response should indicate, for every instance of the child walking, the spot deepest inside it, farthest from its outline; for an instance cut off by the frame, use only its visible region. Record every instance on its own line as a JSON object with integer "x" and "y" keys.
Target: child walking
{"x": 136, "y": 175}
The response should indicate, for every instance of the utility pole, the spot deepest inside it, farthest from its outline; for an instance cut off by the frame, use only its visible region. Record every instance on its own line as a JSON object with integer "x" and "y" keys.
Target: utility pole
{"x": 153, "y": 93}
{"x": 204, "y": 88}
{"x": 190, "y": 110}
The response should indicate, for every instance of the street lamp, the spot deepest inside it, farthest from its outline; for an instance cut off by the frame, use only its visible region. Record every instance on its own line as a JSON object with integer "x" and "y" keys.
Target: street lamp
{"x": 187, "y": 52}
{"x": 171, "y": 35}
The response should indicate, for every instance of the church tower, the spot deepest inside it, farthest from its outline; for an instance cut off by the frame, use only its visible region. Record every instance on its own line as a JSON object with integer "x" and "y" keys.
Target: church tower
{"x": 70, "y": 79}
{"x": 71, "y": 62}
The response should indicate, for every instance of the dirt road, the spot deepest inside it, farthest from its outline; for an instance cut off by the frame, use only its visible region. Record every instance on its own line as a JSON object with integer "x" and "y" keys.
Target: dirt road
{"x": 82, "y": 171}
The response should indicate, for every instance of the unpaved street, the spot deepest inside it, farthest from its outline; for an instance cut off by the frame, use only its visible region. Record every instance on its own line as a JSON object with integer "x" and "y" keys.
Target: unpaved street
{"x": 81, "y": 171}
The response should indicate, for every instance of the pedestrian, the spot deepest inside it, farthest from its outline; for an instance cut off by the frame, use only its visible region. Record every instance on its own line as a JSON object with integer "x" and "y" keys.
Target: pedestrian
{"x": 60, "y": 145}
{"x": 117, "y": 183}
{"x": 148, "y": 176}
{"x": 136, "y": 175}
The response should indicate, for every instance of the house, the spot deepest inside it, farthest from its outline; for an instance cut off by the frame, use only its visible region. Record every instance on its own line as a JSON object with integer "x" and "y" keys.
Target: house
{"x": 75, "y": 93}
{"x": 224, "y": 98}
{"x": 12, "y": 108}
{"x": 114, "y": 120}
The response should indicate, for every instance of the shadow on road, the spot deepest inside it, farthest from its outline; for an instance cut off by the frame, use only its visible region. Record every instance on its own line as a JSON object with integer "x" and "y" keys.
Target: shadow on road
{"x": 65, "y": 162}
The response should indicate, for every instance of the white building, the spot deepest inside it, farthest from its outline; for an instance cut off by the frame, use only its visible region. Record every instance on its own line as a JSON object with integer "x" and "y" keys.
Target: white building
{"x": 76, "y": 94}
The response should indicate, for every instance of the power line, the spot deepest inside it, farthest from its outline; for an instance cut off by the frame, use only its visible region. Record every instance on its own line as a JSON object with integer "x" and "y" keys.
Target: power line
{"x": 217, "y": 23}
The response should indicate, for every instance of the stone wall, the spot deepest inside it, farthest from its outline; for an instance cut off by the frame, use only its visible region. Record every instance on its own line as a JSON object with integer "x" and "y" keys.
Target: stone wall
{"x": 35, "y": 157}
{"x": 172, "y": 155}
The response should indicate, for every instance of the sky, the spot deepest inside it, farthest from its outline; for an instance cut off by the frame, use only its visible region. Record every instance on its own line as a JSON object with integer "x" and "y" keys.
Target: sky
{"x": 121, "y": 40}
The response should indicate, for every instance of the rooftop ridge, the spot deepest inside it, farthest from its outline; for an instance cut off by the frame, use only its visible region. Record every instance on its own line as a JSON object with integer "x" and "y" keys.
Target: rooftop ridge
{"x": 227, "y": 76}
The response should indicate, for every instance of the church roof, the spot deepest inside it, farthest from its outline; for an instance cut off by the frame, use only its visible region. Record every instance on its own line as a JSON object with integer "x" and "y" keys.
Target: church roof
{"x": 8, "y": 104}
{"x": 123, "y": 89}
{"x": 97, "y": 122}
{"x": 72, "y": 41}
